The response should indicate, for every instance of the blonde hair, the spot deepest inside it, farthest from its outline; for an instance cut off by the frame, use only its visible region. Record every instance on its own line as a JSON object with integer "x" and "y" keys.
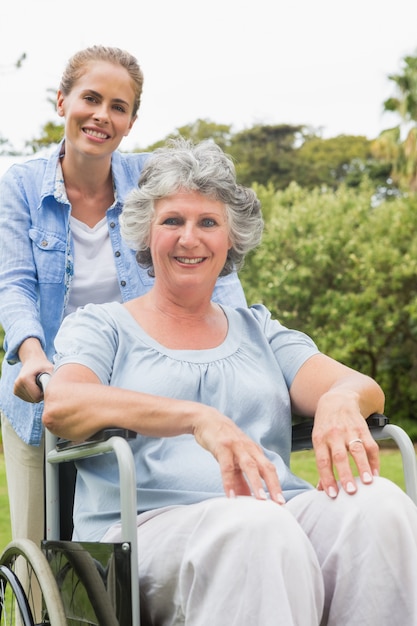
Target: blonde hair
{"x": 78, "y": 62}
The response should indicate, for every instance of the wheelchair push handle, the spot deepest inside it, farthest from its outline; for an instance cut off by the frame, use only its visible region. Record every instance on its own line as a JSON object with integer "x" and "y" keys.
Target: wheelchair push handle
{"x": 42, "y": 380}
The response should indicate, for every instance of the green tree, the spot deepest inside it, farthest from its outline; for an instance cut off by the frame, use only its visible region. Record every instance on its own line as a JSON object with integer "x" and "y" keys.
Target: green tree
{"x": 403, "y": 102}
{"x": 342, "y": 159}
{"x": 344, "y": 270}
{"x": 199, "y": 130}
{"x": 267, "y": 154}
{"x": 51, "y": 133}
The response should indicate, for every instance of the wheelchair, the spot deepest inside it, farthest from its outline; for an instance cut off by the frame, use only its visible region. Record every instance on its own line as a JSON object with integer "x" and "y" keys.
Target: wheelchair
{"x": 63, "y": 582}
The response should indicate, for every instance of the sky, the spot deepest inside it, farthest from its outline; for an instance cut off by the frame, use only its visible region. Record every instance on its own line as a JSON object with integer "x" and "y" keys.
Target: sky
{"x": 323, "y": 63}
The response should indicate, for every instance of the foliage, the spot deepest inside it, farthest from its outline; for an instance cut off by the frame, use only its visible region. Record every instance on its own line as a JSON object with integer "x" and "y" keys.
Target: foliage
{"x": 343, "y": 270}
{"x": 405, "y": 100}
{"x": 330, "y": 162}
{"x": 281, "y": 154}
{"x": 267, "y": 154}
{"x": 199, "y": 131}
{"x": 51, "y": 133}
{"x": 402, "y": 153}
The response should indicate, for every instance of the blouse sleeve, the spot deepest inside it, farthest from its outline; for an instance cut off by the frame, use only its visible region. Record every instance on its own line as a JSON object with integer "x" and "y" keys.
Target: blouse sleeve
{"x": 88, "y": 337}
{"x": 292, "y": 348}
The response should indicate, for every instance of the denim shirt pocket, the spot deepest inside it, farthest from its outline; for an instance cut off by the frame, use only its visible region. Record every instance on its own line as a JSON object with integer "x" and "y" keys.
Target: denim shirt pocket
{"x": 49, "y": 252}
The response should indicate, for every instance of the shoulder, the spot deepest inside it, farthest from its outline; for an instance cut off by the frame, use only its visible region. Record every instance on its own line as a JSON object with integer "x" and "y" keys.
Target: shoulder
{"x": 254, "y": 315}
{"x": 258, "y": 319}
{"x": 131, "y": 163}
{"x": 91, "y": 313}
{"x": 96, "y": 325}
{"x": 33, "y": 170}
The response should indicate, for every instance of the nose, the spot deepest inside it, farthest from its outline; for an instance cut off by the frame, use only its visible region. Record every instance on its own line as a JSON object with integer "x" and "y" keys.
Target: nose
{"x": 101, "y": 114}
{"x": 189, "y": 236}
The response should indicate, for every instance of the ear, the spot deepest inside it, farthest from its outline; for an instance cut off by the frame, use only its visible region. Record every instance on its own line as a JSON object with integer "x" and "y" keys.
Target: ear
{"x": 132, "y": 121}
{"x": 60, "y": 103}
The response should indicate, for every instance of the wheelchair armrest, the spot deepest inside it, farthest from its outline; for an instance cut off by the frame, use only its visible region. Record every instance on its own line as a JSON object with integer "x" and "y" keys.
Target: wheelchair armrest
{"x": 99, "y": 437}
{"x": 301, "y": 433}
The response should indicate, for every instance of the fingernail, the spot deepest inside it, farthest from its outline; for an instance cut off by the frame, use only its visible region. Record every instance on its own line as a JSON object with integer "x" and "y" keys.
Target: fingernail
{"x": 262, "y": 494}
{"x": 366, "y": 477}
{"x": 375, "y": 472}
{"x": 331, "y": 492}
{"x": 280, "y": 499}
{"x": 232, "y": 493}
{"x": 350, "y": 487}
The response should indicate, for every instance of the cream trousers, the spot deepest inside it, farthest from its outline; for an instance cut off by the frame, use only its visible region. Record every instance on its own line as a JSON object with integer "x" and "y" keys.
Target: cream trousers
{"x": 243, "y": 562}
{"x": 25, "y": 484}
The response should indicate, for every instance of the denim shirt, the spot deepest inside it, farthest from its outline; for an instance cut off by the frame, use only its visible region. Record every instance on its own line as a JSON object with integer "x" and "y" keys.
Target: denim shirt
{"x": 36, "y": 267}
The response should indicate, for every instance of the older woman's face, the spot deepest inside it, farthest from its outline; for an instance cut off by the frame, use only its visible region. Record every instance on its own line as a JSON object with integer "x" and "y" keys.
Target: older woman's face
{"x": 189, "y": 240}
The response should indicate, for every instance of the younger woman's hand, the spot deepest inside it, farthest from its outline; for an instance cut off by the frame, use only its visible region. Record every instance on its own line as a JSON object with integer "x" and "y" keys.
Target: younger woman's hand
{"x": 25, "y": 386}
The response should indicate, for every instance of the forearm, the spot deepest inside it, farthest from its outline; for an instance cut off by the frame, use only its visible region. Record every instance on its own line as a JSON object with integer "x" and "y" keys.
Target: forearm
{"x": 353, "y": 392}
{"x": 323, "y": 382}
{"x": 31, "y": 349}
{"x": 77, "y": 410}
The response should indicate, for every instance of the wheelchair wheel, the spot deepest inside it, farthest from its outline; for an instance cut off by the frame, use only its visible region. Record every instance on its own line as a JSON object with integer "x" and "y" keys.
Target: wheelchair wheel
{"x": 29, "y": 595}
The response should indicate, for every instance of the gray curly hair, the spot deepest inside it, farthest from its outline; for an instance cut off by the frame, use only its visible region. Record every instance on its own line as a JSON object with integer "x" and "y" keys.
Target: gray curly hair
{"x": 202, "y": 167}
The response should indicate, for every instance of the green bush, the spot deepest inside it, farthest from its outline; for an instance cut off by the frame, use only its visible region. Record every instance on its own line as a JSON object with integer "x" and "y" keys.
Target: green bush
{"x": 344, "y": 270}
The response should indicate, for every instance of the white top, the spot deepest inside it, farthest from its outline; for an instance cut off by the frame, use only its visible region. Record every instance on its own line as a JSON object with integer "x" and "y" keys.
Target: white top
{"x": 95, "y": 277}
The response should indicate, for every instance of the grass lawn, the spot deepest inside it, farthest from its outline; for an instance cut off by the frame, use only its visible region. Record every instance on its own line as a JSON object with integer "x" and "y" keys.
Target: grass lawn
{"x": 5, "y": 534}
{"x": 302, "y": 463}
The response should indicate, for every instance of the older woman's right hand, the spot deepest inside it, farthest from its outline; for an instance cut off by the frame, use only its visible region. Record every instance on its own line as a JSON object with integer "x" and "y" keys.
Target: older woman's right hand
{"x": 244, "y": 467}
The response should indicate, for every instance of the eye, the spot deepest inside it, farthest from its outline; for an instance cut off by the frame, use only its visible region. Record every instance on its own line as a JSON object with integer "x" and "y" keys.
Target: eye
{"x": 171, "y": 221}
{"x": 208, "y": 222}
{"x": 120, "y": 108}
{"x": 90, "y": 98}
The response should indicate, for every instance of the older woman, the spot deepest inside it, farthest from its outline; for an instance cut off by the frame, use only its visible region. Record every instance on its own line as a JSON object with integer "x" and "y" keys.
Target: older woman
{"x": 210, "y": 391}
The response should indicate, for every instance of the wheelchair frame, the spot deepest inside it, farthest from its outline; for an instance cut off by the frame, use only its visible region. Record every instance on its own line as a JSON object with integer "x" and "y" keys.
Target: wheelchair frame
{"x": 115, "y": 441}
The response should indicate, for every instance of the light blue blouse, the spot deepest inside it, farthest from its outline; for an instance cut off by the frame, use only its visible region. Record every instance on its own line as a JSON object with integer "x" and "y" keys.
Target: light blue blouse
{"x": 247, "y": 378}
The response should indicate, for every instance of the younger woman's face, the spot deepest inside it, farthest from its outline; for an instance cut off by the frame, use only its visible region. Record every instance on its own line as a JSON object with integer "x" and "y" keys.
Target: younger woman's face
{"x": 99, "y": 109}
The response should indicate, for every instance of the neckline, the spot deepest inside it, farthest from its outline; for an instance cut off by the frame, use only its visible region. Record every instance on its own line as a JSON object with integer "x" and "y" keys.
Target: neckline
{"x": 227, "y": 347}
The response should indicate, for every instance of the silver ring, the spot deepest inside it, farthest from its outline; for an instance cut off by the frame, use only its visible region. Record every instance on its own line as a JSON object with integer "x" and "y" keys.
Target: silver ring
{"x": 354, "y": 441}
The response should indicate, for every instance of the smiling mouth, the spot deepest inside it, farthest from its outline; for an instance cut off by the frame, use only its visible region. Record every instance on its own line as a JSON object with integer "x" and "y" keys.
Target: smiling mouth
{"x": 95, "y": 133}
{"x": 188, "y": 261}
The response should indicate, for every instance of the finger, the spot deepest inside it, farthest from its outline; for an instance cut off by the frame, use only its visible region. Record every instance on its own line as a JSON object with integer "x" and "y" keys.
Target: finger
{"x": 327, "y": 479}
{"x": 249, "y": 468}
{"x": 344, "y": 470}
{"x": 366, "y": 457}
{"x": 247, "y": 474}
{"x": 261, "y": 473}
{"x": 270, "y": 477}
{"x": 233, "y": 480}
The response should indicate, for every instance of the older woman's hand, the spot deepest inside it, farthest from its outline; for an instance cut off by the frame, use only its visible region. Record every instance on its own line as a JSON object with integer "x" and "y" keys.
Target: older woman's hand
{"x": 244, "y": 467}
{"x": 340, "y": 434}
